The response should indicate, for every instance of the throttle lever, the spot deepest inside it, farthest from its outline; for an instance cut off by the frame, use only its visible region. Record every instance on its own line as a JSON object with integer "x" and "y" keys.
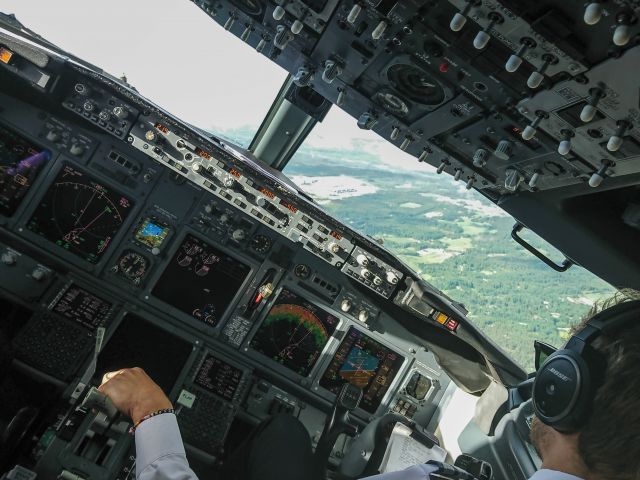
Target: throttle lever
{"x": 99, "y": 401}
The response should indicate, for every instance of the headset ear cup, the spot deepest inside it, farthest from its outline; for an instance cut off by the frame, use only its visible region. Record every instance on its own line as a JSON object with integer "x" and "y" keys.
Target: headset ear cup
{"x": 561, "y": 391}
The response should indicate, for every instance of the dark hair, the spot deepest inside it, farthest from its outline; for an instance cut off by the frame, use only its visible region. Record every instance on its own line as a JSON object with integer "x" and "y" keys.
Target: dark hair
{"x": 609, "y": 442}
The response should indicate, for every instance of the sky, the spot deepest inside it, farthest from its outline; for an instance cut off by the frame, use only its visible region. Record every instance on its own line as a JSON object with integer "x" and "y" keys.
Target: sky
{"x": 179, "y": 58}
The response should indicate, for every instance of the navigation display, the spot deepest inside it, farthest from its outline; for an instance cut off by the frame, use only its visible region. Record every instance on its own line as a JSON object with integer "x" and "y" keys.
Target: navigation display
{"x": 20, "y": 163}
{"x": 82, "y": 307}
{"x": 138, "y": 343}
{"x": 366, "y": 363}
{"x": 294, "y": 332}
{"x": 201, "y": 281}
{"x": 79, "y": 214}
{"x": 218, "y": 377}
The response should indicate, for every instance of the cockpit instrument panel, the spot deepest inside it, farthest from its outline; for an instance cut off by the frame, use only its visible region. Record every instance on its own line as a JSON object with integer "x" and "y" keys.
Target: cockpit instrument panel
{"x": 294, "y": 333}
{"x": 366, "y": 363}
{"x": 20, "y": 164}
{"x": 152, "y": 233}
{"x": 201, "y": 280}
{"x": 80, "y": 214}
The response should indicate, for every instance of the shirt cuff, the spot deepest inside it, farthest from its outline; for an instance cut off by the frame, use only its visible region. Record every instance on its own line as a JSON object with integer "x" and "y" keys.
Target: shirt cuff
{"x": 157, "y": 437}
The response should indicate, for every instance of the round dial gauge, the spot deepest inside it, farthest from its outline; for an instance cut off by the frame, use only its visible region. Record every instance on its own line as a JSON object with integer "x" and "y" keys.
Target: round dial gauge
{"x": 260, "y": 243}
{"x": 132, "y": 266}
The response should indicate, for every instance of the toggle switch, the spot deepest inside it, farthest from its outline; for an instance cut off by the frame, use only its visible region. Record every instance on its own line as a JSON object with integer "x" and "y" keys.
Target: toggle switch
{"x": 615, "y": 141}
{"x": 530, "y": 130}
{"x": 342, "y": 95}
{"x": 589, "y": 110}
{"x": 367, "y": 120}
{"x": 424, "y": 154}
{"x": 379, "y": 30}
{"x": 460, "y": 18}
{"x": 408, "y": 140}
{"x": 261, "y": 44}
{"x": 512, "y": 179}
{"x": 564, "y": 147}
{"x": 395, "y": 131}
{"x": 470, "y": 183}
{"x": 247, "y": 31}
{"x": 622, "y": 33}
{"x": 593, "y": 13}
{"x": 296, "y": 27}
{"x": 229, "y": 23}
{"x": 533, "y": 181}
{"x": 458, "y": 175}
{"x": 278, "y": 13}
{"x": 441, "y": 167}
{"x": 536, "y": 78}
{"x": 515, "y": 60}
{"x": 354, "y": 13}
{"x": 598, "y": 177}
{"x": 483, "y": 36}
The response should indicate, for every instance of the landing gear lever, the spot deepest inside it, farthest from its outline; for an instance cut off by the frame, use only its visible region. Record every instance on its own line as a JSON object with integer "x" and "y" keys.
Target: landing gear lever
{"x": 338, "y": 422}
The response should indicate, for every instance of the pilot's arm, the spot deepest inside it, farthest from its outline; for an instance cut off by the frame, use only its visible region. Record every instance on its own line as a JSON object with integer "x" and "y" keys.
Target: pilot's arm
{"x": 160, "y": 453}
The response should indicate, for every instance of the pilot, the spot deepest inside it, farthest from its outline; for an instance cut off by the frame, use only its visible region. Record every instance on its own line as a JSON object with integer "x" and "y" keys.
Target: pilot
{"x": 605, "y": 446}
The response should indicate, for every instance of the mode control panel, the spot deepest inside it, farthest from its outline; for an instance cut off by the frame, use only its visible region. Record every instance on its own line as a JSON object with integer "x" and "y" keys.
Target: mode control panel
{"x": 372, "y": 272}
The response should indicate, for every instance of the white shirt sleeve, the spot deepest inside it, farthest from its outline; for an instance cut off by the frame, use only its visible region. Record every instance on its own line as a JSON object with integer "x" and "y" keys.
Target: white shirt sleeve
{"x": 417, "y": 472}
{"x": 160, "y": 453}
{"x": 545, "y": 474}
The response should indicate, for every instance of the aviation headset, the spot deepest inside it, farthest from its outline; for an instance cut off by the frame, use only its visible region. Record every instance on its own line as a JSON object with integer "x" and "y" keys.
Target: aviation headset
{"x": 566, "y": 383}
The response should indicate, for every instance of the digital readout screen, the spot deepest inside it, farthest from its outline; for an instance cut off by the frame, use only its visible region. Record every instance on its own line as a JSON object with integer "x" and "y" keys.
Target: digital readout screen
{"x": 82, "y": 307}
{"x": 218, "y": 377}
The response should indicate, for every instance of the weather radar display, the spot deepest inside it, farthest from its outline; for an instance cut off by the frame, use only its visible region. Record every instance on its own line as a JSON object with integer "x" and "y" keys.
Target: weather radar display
{"x": 79, "y": 214}
{"x": 294, "y": 332}
{"x": 366, "y": 363}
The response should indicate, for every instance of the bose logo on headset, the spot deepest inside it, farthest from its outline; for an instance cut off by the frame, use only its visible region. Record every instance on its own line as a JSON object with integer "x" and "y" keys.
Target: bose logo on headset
{"x": 560, "y": 375}
{"x": 567, "y": 406}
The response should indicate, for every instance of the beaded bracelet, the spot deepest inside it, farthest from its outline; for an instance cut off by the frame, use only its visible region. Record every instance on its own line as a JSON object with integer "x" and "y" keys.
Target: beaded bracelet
{"x": 132, "y": 430}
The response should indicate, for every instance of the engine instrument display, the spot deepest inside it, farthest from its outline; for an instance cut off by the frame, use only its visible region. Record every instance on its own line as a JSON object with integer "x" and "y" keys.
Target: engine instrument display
{"x": 139, "y": 343}
{"x": 200, "y": 280}
{"x": 151, "y": 233}
{"x": 79, "y": 214}
{"x": 294, "y": 332}
{"x": 218, "y": 377}
{"x": 20, "y": 164}
{"x": 82, "y": 307}
{"x": 366, "y": 363}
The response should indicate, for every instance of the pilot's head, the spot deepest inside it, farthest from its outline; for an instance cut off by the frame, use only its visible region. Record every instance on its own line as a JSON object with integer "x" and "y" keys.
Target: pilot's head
{"x": 605, "y": 444}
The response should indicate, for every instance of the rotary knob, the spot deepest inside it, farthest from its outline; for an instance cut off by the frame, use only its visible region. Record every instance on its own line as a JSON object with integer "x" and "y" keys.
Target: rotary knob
{"x": 346, "y": 305}
{"x": 392, "y": 277}
{"x": 480, "y": 157}
{"x": 504, "y": 150}
{"x": 9, "y": 258}
{"x": 363, "y": 316}
{"x": 278, "y": 13}
{"x": 367, "y": 120}
{"x": 39, "y": 274}
{"x": 76, "y": 149}
{"x": 303, "y": 77}
{"x": 331, "y": 71}
{"x": 53, "y": 135}
{"x": 333, "y": 247}
{"x": 120, "y": 112}
{"x": 362, "y": 259}
{"x": 239, "y": 234}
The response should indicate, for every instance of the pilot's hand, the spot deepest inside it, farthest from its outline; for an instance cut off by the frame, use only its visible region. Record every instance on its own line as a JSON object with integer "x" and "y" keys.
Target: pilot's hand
{"x": 134, "y": 393}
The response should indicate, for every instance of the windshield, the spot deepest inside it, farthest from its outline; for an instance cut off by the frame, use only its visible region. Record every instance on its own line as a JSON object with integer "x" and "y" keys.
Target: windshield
{"x": 170, "y": 51}
{"x": 454, "y": 238}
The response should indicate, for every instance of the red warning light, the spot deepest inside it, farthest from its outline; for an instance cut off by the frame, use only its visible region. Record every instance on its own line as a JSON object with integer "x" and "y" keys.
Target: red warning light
{"x": 444, "y": 67}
